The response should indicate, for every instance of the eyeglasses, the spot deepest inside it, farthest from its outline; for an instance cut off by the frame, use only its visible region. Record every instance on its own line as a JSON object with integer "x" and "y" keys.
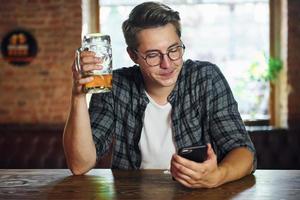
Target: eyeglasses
{"x": 155, "y": 58}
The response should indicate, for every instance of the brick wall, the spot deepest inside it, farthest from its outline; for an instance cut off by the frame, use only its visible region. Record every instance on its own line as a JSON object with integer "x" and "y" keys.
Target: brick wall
{"x": 294, "y": 63}
{"x": 40, "y": 92}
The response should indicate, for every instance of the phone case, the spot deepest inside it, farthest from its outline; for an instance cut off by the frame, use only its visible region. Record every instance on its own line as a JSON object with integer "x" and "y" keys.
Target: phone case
{"x": 194, "y": 153}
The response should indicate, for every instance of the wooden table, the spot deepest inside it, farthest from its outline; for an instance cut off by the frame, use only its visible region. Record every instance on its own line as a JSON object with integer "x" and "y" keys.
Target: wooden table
{"x": 145, "y": 184}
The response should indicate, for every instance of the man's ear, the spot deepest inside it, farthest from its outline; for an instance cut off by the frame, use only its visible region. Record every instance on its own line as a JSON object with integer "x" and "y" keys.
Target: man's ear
{"x": 132, "y": 55}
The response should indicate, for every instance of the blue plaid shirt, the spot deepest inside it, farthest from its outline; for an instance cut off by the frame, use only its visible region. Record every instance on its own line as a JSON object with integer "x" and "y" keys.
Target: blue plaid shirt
{"x": 203, "y": 110}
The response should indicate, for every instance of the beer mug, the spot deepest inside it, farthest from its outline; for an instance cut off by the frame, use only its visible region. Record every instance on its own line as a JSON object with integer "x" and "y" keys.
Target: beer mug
{"x": 101, "y": 45}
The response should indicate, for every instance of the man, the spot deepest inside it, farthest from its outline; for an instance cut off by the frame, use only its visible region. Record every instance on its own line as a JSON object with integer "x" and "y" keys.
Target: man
{"x": 158, "y": 106}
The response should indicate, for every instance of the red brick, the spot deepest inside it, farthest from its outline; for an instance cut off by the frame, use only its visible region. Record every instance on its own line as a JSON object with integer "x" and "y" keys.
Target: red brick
{"x": 31, "y": 91}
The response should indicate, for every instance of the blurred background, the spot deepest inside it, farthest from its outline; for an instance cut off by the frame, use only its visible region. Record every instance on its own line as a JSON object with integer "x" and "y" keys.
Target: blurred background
{"x": 254, "y": 42}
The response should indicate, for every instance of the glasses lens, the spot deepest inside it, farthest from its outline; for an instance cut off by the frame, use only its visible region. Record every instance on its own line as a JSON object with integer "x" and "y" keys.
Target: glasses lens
{"x": 153, "y": 59}
{"x": 176, "y": 53}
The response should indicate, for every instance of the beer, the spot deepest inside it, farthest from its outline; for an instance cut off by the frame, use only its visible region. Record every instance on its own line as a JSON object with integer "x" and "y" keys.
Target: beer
{"x": 100, "y": 44}
{"x": 101, "y": 83}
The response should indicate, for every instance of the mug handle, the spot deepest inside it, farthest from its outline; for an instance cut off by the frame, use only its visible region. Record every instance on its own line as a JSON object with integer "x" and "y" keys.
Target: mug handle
{"x": 77, "y": 60}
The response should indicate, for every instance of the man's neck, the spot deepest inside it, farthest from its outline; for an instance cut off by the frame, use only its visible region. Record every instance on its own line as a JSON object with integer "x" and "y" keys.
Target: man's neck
{"x": 159, "y": 94}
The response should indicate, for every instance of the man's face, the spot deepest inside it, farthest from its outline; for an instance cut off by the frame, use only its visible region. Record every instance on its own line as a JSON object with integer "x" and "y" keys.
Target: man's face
{"x": 161, "y": 39}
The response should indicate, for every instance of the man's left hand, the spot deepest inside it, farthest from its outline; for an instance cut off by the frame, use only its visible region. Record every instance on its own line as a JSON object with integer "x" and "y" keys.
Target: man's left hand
{"x": 197, "y": 175}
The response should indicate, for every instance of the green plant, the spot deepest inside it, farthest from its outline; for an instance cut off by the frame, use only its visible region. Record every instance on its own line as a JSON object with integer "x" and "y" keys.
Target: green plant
{"x": 265, "y": 68}
{"x": 275, "y": 66}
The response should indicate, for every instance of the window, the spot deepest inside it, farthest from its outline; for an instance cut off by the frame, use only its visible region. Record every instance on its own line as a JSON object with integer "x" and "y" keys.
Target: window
{"x": 231, "y": 34}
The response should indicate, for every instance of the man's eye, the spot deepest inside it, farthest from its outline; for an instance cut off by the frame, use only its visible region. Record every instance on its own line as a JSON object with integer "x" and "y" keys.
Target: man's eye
{"x": 152, "y": 55}
{"x": 175, "y": 49}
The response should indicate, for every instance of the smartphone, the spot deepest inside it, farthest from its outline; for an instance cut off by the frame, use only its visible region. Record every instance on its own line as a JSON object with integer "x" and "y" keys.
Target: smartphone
{"x": 194, "y": 153}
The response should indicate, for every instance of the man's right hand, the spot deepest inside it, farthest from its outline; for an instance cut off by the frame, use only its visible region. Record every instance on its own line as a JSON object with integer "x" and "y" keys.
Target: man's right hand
{"x": 88, "y": 62}
{"x": 78, "y": 142}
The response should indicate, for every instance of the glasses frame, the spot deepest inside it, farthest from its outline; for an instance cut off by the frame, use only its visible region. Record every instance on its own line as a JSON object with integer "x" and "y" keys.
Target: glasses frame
{"x": 162, "y": 55}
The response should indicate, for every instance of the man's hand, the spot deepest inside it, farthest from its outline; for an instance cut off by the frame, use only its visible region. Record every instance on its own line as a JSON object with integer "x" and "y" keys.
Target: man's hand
{"x": 197, "y": 175}
{"x": 78, "y": 141}
{"x": 88, "y": 62}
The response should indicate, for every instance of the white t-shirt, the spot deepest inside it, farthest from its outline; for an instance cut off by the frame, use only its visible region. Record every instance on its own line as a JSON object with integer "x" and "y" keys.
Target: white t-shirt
{"x": 156, "y": 143}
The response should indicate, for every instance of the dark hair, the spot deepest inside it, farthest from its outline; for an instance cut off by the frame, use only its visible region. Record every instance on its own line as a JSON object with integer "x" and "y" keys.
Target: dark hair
{"x": 148, "y": 15}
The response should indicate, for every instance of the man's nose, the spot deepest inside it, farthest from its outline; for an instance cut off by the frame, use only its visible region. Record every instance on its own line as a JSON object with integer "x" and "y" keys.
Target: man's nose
{"x": 165, "y": 61}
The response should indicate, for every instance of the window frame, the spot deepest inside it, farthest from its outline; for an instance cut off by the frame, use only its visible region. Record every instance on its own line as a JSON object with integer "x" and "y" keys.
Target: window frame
{"x": 278, "y": 18}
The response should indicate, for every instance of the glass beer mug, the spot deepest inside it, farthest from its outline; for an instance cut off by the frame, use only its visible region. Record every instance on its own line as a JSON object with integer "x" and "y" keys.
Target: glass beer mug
{"x": 101, "y": 45}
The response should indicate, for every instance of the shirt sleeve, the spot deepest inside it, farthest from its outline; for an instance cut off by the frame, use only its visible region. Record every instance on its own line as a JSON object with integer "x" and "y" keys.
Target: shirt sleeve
{"x": 102, "y": 121}
{"x": 226, "y": 125}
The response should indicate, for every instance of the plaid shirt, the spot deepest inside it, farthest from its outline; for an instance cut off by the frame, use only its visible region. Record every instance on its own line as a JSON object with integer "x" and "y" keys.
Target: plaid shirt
{"x": 203, "y": 110}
